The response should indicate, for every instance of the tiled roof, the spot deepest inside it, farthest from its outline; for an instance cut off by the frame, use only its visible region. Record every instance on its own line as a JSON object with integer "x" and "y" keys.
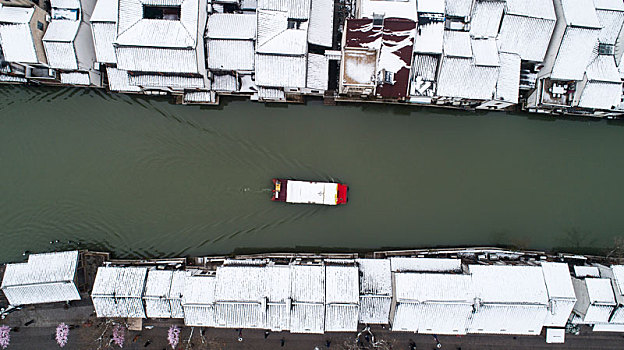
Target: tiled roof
{"x": 544, "y": 9}
{"x": 601, "y": 95}
{"x": 318, "y": 72}
{"x": 76, "y": 78}
{"x": 231, "y": 26}
{"x": 574, "y": 53}
{"x": 230, "y": 54}
{"x": 280, "y": 71}
{"x": 105, "y": 11}
{"x": 459, "y": 8}
{"x": 61, "y": 55}
{"x": 580, "y": 13}
{"x": 486, "y": 18}
{"x": 151, "y": 59}
{"x": 485, "y": 52}
{"x": 17, "y": 43}
{"x": 429, "y": 38}
{"x": 457, "y": 44}
{"x": 321, "y": 26}
{"x": 527, "y": 36}
{"x": 118, "y": 80}
{"x": 508, "y": 83}
{"x": 611, "y": 22}
{"x": 104, "y": 34}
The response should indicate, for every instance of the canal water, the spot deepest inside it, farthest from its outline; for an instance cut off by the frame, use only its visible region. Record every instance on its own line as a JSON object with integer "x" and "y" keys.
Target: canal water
{"x": 141, "y": 177}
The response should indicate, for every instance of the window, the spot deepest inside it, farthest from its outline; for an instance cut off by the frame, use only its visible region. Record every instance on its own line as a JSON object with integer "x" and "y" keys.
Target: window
{"x": 39, "y": 25}
{"x": 388, "y": 77}
{"x": 292, "y": 24}
{"x": 171, "y": 13}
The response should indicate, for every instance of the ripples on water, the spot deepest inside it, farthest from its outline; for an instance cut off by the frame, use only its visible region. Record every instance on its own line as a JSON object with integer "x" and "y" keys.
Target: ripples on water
{"x": 140, "y": 177}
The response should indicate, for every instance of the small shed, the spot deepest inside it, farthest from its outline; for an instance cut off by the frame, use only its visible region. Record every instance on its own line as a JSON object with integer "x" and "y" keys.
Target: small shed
{"x": 118, "y": 292}
{"x": 45, "y": 278}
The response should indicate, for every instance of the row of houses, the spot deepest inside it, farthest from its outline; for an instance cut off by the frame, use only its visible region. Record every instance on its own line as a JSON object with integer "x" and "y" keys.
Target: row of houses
{"x": 547, "y": 56}
{"x": 421, "y": 295}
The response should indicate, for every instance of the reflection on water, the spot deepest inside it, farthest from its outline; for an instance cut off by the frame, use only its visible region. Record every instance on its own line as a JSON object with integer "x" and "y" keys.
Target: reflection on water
{"x": 141, "y": 177}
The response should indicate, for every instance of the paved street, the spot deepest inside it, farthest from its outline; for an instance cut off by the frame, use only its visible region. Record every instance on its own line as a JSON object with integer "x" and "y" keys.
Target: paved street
{"x": 88, "y": 329}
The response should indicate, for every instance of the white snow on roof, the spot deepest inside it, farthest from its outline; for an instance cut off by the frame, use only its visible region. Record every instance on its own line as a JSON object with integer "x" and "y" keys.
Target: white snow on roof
{"x": 307, "y": 283}
{"x": 239, "y": 315}
{"x": 65, "y": 4}
{"x": 432, "y": 287}
{"x": 508, "y": 83}
{"x": 341, "y": 318}
{"x": 485, "y": 52}
{"x": 486, "y": 18}
{"x": 459, "y": 8}
{"x": 231, "y": 26}
{"x": 149, "y": 59}
{"x": 575, "y": 53}
{"x": 459, "y": 77}
{"x": 156, "y": 293}
{"x": 375, "y": 277}
{"x": 224, "y": 82}
{"x": 318, "y": 72}
{"x": 389, "y": 9}
{"x": 198, "y": 301}
{"x": 277, "y": 283}
{"x": 375, "y": 309}
{"x": 611, "y": 22}
{"x": 75, "y": 78}
{"x": 558, "y": 280}
{"x": 586, "y": 271}
{"x": 359, "y": 66}
{"x": 425, "y": 265}
{"x": 321, "y": 27}
{"x": 169, "y": 81}
{"x": 430, "y": 6}
{"x": 602, "y": 68}
{"x": 287, "y": 42}
{"x": 580, "y": 13}
{"x": 105, "y": 11}
{"x": 104, "y": 35}
{"x": 199, "y": 97}
{"x": 615, "y": 5}
{"x": 508, "y": 319}
{"x": 309, "y": 192}
{"x": 429, "y": 38}
{"x": 280, "y": 71}
{"x": 17, "y": 43}
{"x": 278, "y": 316}
{"x": 457, "y": 44}
{"x": 240, "y": 283}
{"x": 509, "y": 284}
{"x": 432, "y": 318}
{"x": 117, "y": 292}
{"x": 600, "y": 291}
{"x": 230, "y": 54}
{"x": 118, "y": 80}
{"x": 297, "y": 9}
{"x": 307, "y": 318}
{"x": 527, "y": 36}
{"x": 618, "y": 275}
{"x": 16, "y": 15}
{"x": 270, "y": 24}
{"x": 271, "y": 94}
{"x": 45, "y": 278}
{"x": 601, "y": 95}
{"x": 61, "y": 55}
{"x": 341, "y": 284}
{"x": 532, "y": 8}
{"x": 425, "y": 66}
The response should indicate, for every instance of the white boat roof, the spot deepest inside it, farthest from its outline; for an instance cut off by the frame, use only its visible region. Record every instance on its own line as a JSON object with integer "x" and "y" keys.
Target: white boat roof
{"x": 311, "y": 192}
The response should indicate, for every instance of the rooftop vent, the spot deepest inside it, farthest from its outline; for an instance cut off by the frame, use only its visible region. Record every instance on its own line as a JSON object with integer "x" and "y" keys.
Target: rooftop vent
{"x": 605, "y": 49}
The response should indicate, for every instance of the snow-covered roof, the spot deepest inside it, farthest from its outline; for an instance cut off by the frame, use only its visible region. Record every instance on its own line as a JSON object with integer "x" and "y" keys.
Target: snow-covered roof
{"x": 613, "y": 5}
{"x": 431, "y": 6}
{"x": 602, "y": 68}
{"x": 389, "y": 9}
{"x": 231, "y": 26}
{"x": 395, "y": 56}
{"x": 278, "y": 316}
{"x": 618, "y": 276}
{"x": 527, "y": 36}
{"x": 307, "y": 318}
{"x": 457, "y": 44}
{"x": 170, "y": 80}
{"x": 575, "y": 53}
{"x": 580, "y": 13}
{"x": 296, "y": 9}
{"x": 508, "y": 319}
{"x": 271, "y": 94}
{"x": 432, "y": 318}
{"x": 105, "y": 11}
{"x": 104, "y": 34}
{"x": 318, "y": 72}
{"x": 307, "y": 283}
{"x": 586, "y": 271}
{"x": 460, "y": 77}
{"x": 375, "y": 309}
{"x": 459, "y": 8}
{"x": 600, "y": 291}
{"x": 433, "y": 287}
{"x": 341, "y": 318}
{"x": 117, "y": 292}
{"x": 45, "y": 278}
{"x": 76, "y": 78}
{"x": 16, "y": 37}
{"x": 601, "y": 94}
{"x": 375, "y": 276}
{"x": 425, "y": 66}
{"x": 61, "y": 30}
{"x": 486, "y": 18}
{"x": 240, "y": 283}
{"x": 429, "y": 38}
{"x": 286, "y": 42}
{"x": 544, "y": 9}
{"x": 202, "y": 96}
{"x": 508, "y": 83}
{"x": 308, "y": 192}
{"x": 485, "y": 52}
{"x": 134, "y": 30}
{"x": 239, "y": 315}
{"x": 342, "y": 284}
{"x": 425, "y": 265}
{"x": 230, "y": 54}
{"x": 61, "y": 55}
{"x": 198, "y": 301}
{"x": 153, "y": 59}
{"x": 119, "y": 80}
{"x": 611, "y": 22}
{"x": 66, "y": 4}
{"x": 156, "y": 293}
{"x": 558, "y": 280}
{"x": 321, "y": 27}
{"x": 224, "y": 82}
{"x": 509, "y": 284}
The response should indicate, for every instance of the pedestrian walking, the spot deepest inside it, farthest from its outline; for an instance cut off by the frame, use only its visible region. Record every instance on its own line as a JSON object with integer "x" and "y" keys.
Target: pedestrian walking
{"x": 438, "y": 344}
{"x": 282, "y": 342}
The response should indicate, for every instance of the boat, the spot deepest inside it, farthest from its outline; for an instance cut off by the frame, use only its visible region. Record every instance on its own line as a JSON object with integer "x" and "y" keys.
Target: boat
{"x": 309, "y": 192}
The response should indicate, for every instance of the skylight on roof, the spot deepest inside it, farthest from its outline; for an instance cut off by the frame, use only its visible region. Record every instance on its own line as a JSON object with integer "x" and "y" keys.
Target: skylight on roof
{"x": 170, "y": 13}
